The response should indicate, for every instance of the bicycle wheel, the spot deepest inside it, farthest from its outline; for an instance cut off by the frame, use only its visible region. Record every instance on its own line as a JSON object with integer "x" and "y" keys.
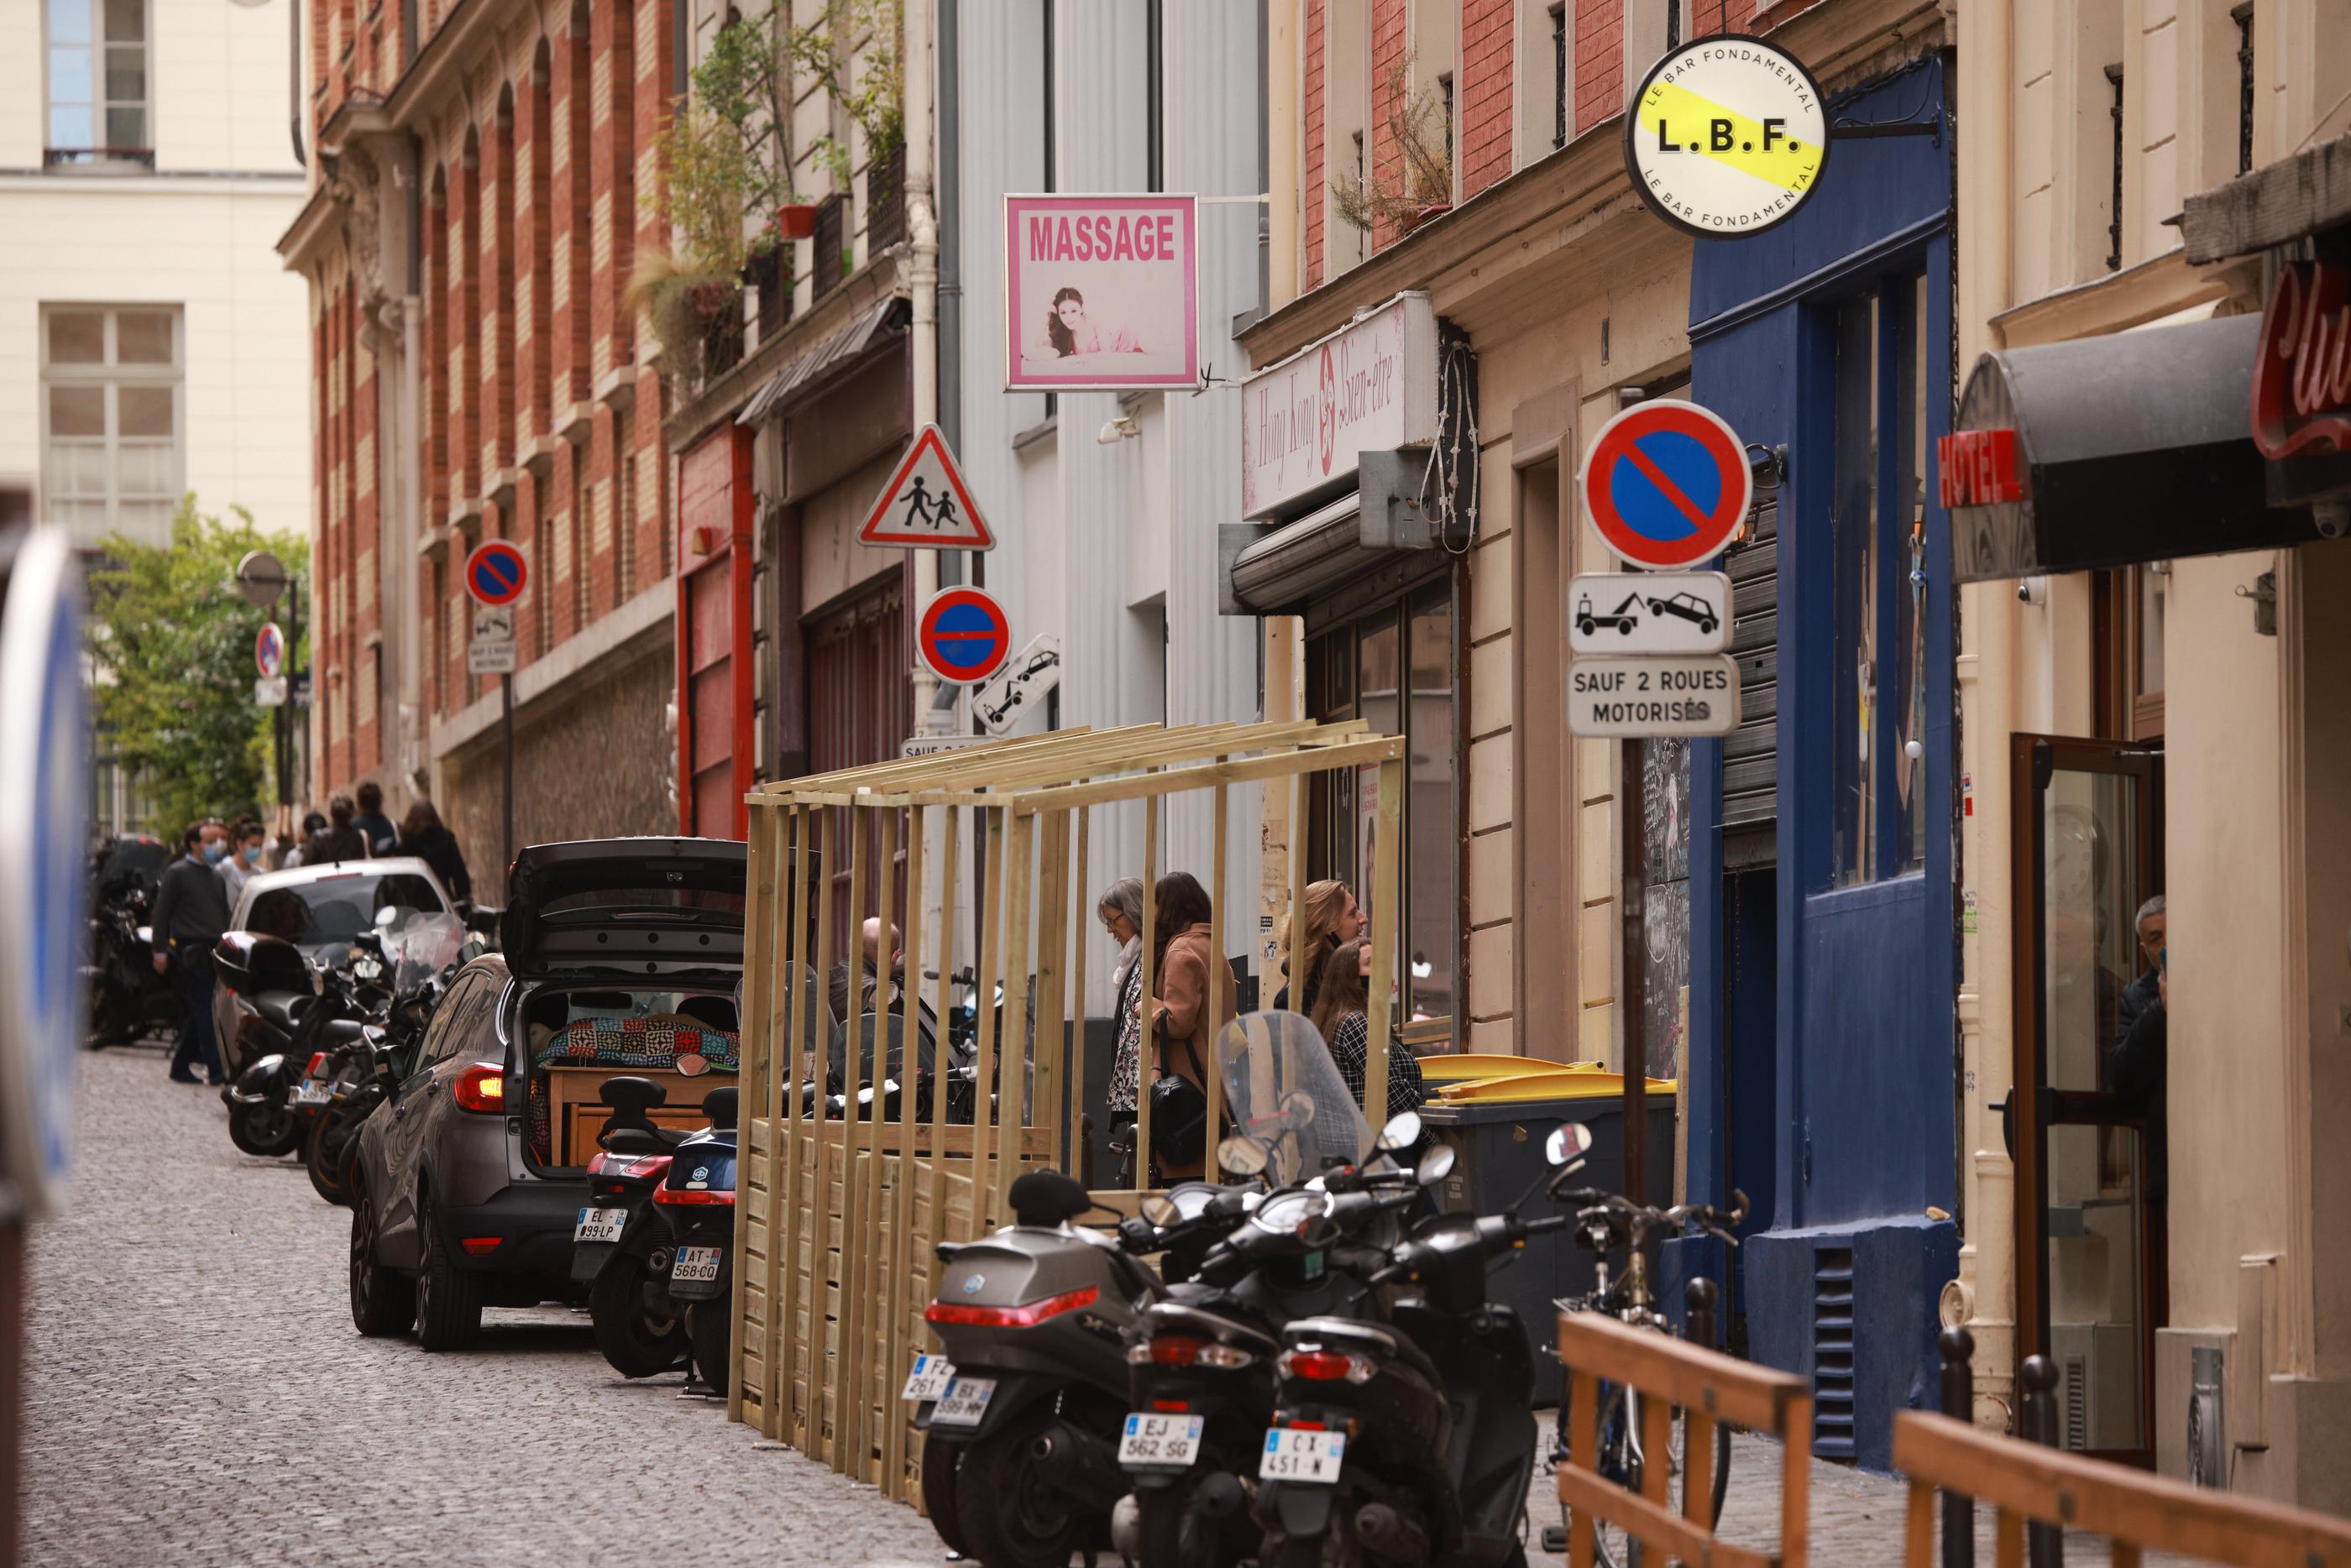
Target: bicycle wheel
{"x": 1721, "y": 1466}
{"x": 1620, "y": 1463}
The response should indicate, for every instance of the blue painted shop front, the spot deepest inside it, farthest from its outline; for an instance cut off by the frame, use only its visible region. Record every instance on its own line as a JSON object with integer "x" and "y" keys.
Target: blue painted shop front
{"x": 1821, "y": 1078}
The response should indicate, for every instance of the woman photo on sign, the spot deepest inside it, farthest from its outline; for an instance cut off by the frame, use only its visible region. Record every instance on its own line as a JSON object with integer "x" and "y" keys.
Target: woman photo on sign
{"x": 1069, "y": 332}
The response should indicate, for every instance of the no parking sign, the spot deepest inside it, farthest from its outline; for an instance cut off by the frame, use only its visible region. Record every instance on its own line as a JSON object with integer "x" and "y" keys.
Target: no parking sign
{"x": 964, "y": 635}
{"x": 1666, "y": 484}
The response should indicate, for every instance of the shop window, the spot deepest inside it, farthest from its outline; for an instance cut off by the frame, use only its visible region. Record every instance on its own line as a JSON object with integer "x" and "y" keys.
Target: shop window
{"x": 98, "y": 88}
{"x": 1394, "y": 667}
{"x": 1877, "y": 535}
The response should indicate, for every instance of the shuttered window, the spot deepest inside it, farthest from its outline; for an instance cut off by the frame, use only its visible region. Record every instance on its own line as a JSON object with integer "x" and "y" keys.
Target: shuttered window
{"x": 1751, "y": 805}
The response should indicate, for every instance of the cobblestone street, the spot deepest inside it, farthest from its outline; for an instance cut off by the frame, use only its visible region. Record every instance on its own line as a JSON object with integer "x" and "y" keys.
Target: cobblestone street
{"x": 197, "y": 1394}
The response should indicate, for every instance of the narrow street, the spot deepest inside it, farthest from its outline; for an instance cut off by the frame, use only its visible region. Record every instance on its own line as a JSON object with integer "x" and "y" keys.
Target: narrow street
{"x": 197, "y": 1395}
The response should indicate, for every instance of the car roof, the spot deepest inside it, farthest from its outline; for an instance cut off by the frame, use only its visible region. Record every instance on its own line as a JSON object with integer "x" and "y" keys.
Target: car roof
{"x": 296, "y": 876}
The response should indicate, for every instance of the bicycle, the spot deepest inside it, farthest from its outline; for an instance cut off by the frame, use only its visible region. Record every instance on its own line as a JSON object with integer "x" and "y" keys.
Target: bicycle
{"x": 1604, "y": 1223}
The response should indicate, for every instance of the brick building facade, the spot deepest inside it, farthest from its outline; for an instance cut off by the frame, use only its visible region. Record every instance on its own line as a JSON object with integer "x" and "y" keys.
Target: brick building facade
{"x": 480, "y": 190}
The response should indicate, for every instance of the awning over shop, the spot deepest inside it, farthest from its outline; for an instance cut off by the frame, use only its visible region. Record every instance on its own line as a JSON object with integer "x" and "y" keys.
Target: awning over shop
{"x": 809, "y": 371}
{"x": 2110, "y": 451}
{"x": 1300, "y": 559}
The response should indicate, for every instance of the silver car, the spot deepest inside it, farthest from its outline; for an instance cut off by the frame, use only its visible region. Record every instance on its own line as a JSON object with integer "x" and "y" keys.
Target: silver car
{"x": 621, "y": 956}
{"x": 319, "y": 909}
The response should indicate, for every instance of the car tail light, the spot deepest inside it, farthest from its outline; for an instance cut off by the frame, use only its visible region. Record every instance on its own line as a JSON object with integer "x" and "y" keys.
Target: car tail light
{"x": 482, "y": 1087}
{"x": 1011, "y": 1317}
{"x": 688, "y": 1195}
{"x": 317, "y": 1065}
{"x": 1326, "y": 1367}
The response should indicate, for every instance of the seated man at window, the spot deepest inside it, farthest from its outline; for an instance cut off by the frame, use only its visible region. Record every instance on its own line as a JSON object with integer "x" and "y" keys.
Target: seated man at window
{"x": 2134, "y": 1066}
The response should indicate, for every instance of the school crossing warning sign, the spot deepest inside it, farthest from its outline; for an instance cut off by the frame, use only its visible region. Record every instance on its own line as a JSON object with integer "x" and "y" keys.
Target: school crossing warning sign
{"x": 926, "y": 505}
{"x": 1727, "y": 137}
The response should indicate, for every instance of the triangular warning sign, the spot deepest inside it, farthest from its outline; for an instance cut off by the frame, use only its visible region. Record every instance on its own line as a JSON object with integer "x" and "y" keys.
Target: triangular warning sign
{"x": 926, "y": 505}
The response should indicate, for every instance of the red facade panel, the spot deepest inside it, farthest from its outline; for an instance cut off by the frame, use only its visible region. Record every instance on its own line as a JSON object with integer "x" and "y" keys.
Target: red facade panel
{"x": 1485, "y": 93}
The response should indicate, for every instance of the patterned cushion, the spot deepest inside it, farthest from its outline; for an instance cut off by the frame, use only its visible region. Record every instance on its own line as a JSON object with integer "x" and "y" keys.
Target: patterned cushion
{"x": 622, "y": 1044}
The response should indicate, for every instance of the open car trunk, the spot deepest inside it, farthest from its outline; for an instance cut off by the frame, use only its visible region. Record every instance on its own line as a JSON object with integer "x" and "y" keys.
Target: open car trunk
{"x": 575, "y": 1036}
{"x": 634, "y": 906}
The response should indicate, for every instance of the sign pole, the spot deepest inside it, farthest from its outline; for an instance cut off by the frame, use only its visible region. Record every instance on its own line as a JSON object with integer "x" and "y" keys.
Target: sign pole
{"x": 506, "y": 703}
{"x": 1633, "y": 1003}
{"x": 286, "y": 796}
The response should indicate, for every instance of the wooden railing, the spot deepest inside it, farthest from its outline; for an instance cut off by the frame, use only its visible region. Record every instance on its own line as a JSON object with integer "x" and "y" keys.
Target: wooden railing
{"x": 2037, "y": 1492}
{"x": 1708, "y": 1388}
{"x": 2028, "y": 1483}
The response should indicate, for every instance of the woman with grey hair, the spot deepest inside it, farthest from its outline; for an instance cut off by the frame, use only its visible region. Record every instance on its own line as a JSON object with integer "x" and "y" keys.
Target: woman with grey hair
{"x": 1120, "y": 910}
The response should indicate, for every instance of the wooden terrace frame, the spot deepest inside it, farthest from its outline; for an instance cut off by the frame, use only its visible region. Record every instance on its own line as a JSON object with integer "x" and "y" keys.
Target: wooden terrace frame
{"x": 840, "y": 1214}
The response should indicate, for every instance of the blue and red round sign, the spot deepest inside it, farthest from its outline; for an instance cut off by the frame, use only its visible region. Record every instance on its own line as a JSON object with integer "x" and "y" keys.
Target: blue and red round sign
{"x": 270, "y": 650}
{"x": 964, "y": 635}
{"x": 496, "y": 573}
{"x": 1666, "y": 484}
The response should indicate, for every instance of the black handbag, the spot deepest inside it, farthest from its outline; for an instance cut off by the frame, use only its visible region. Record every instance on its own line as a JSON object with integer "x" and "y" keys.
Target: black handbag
{"x": 1179, "y": 1116}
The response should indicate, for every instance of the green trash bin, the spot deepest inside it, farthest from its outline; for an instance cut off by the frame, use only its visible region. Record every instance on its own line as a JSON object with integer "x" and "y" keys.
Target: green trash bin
{"x": 1498, "y": 1153}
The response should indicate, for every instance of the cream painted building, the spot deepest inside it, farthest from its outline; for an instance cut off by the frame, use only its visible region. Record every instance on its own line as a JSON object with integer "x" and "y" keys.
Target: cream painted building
{"x": 2145, "y": 714}
{"x": 151, "y": 341}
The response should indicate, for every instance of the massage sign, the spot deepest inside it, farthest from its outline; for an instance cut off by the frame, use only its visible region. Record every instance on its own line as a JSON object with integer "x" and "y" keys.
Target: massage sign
{"x": 1101, "y": 293}
{"x": 1727, "y": 137}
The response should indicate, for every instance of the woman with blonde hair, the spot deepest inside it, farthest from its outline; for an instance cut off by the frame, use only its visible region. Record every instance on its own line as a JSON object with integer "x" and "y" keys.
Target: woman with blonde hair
{"x": 1183, "y": 1022}
{"x": 1332, "y": 916}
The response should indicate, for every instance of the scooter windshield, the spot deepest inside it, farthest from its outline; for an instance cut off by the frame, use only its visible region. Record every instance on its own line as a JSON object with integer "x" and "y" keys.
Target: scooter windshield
{"x": 1286, "y": 1095}
{"x": 418, "y": 946}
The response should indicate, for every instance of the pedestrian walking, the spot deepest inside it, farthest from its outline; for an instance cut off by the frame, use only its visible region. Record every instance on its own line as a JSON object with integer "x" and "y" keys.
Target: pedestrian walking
{"x": 313, "y": 824}
{"x": 1342, "y": 1015}
{"x": 340, "y": 841}
{"x": 373, "y": 826}
{"x": 190, "y": 914}
{"x": 1120, "y": 910}
{"x": 243, "y": 858}
{"x": 1332, "y": 916}
{"x": 1184, "y": 1025}
{"x": 421, "y": 835}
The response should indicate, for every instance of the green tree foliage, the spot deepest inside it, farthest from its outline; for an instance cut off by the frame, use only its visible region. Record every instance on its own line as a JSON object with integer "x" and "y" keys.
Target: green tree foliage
{"x": 171, "y": 647}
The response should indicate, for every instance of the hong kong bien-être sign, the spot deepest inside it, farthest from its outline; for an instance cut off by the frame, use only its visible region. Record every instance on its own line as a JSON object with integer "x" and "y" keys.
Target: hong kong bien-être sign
{"x": 1370, "y": 387}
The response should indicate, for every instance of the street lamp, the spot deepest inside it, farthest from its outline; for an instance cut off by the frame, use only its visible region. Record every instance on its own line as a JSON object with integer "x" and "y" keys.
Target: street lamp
{"x": 261, "y": 578}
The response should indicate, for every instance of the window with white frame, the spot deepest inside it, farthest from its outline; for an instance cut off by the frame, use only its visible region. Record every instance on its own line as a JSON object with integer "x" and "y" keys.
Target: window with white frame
{"x": 99, "y": 111}
{"x": 112, "y": 422}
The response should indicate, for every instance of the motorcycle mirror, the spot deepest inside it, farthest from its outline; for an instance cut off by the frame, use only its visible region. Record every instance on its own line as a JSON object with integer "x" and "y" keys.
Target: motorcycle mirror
{"x": 1572, "y": 1141}
{"x": 1435, "y": 1166}
{"x": 1159, "y": 1209}
{"x": 386, "y": 918}
{"x": 1297, "y": 1110}
{"x": 1241, "y": 1156}
{"x": 1403, "y": 1131}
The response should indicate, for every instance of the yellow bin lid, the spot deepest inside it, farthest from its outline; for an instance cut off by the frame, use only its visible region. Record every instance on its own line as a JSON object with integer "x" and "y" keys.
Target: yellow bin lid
{"x": 1490, "y": 1064}
{"x": 1577, "y": 1082}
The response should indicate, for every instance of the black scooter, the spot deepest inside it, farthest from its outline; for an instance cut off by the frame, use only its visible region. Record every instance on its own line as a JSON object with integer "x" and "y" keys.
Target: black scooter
{"x": 1409, "y": 1440}
{"x": 617, "y": 1247}
{"x": 299, "y": 1013}
{"x": 127, "y": 1000}
{"x": 696, "y": 1203}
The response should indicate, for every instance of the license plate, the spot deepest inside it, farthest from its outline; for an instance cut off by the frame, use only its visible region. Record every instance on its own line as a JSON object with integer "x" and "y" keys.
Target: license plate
{"x": 600, "y": 1225}
{"x": 1294, "y": 1456}
{"x": 929, "y": 1379}
{"x": 697, "y": 1264}
{"x": 963, "y": 1402}
{"x": 312, "y": 1092}
{"x": 1160, "y": 1443}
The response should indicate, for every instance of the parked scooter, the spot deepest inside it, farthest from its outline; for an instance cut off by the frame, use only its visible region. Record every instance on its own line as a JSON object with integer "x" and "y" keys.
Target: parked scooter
{"x": 617, "y": 1247}
{"x": 1021, "y": 1416}
{"x": 362, "y": 1077}
{"x": 127, "y": 998}
{"x": 300, "y": 1011}
{"x": 696, "y": 1202}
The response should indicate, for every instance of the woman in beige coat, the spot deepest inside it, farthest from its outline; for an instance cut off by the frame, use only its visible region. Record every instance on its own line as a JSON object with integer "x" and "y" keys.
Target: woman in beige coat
{"x": 1183, "y": 1025}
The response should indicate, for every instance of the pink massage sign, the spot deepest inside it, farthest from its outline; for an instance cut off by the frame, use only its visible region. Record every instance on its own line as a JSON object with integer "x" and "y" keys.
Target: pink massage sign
{"x": 1101, "y": 293}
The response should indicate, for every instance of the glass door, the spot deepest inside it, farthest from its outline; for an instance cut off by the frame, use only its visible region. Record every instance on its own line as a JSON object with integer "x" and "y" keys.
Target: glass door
{"x": 2090, "y": 1283}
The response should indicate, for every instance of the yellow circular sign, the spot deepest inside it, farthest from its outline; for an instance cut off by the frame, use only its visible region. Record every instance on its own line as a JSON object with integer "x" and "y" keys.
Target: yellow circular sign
{"x": 1727, "y": 137}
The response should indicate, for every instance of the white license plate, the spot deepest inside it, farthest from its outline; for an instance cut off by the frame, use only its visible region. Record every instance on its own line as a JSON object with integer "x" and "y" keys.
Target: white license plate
{"x": 312, "y": 1092}
{"x": 1160, "y": 1443}
{"x": 1294, "y": 1456}
{"x": 963, "y": 1402}
{"x": 929, "y": 1379}
{"x": 697, "y": 1265}
{"x": 600, "y": 1225}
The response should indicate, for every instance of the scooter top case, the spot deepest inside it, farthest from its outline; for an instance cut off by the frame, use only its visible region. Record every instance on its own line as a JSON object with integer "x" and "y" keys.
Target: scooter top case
{"x": 1034, "y": 1307}
{"x": 250, "y": 965}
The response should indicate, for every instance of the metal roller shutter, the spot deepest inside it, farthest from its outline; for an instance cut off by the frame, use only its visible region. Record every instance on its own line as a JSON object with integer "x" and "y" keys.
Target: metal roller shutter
{"x": 1749, "y": 781}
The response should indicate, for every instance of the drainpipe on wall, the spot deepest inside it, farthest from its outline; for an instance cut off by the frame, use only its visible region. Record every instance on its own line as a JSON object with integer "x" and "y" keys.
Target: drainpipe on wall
{"x": 1984, "y": 1295}
{"x": 922, "y": 274}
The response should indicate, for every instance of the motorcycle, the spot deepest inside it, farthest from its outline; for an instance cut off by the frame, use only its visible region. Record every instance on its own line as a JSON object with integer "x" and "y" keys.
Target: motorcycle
{"x": 1021, "y": 1414}
{"x": 360, "y": 1077}
{"x": 127, "y": 1000}
{"x": 300, "y": 1011}
{"x": 697, "y": 1201}
{"x": 625, "y": 1257}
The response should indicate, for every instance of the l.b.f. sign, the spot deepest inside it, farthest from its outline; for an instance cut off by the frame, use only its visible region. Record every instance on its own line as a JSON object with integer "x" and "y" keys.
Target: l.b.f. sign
{"x": 1101, "y": 293}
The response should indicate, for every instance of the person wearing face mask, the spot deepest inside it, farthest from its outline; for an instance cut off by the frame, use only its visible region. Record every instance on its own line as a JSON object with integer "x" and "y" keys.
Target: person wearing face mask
{"x": 243, "y": 858}
{"x": 190, "y": 914}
